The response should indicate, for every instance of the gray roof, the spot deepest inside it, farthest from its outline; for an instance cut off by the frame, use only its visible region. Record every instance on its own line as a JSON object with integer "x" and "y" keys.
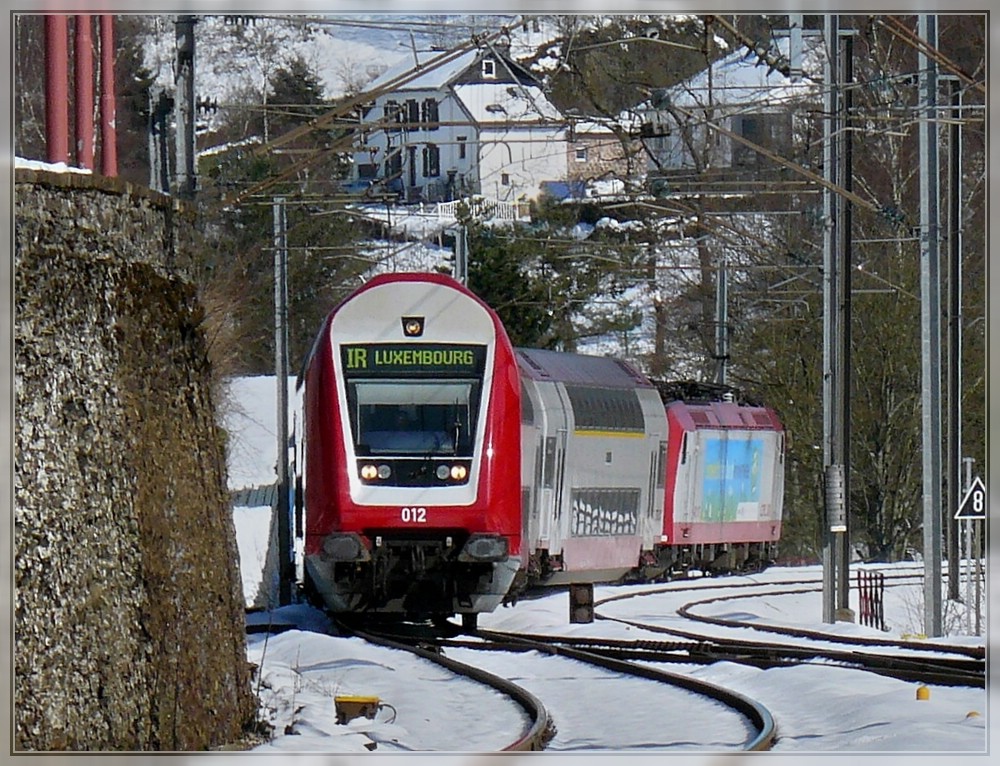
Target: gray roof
{"x": 539, "y": 364}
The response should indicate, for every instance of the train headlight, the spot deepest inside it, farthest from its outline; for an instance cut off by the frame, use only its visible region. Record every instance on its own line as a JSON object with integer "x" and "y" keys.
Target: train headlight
{"x": 459, "y": 472}
{"x": 384, "y": 471}
{"x": 413, "y": 327}
{"x": 442, "y": 472}
{"x": 368, "y": 472}
{"x": 484, "y": 548}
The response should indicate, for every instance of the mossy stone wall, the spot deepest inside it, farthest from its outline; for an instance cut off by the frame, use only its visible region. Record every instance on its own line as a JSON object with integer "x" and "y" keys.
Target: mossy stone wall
{"x": 128, "y": 607}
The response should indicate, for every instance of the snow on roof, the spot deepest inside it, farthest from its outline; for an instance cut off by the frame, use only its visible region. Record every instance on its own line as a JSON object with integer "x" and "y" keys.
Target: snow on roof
{"x": 592, "y": 127}
{"x": 505, "y": 102}
{"x": 742, "y": 78}
{"x": 435, "y": 75}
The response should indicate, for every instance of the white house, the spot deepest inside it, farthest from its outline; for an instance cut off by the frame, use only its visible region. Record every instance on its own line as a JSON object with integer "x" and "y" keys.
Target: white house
{"x": 476, "y": 124}
{"x": 742, "y": 94}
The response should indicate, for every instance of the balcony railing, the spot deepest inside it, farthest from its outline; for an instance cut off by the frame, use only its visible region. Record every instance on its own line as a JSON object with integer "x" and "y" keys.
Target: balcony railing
{"x": 483, "y": 208}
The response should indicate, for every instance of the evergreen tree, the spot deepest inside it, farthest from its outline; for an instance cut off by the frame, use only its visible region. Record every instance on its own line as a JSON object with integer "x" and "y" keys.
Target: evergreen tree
{"x": 500, "y": 273}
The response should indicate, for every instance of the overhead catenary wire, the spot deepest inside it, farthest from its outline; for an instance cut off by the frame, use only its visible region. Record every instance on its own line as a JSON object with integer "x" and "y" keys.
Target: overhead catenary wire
{"x": 340, "y": 115}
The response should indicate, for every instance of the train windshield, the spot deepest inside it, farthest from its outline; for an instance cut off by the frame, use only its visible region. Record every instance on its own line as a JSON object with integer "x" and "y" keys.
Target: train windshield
{"x": 413, "y": 417}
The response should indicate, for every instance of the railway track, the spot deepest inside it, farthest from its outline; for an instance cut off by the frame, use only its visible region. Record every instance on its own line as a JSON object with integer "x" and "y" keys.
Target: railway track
{"x": 757, "y": 720}
{"x": 553, "y": 681}
{"x": 538, "y": 727}
{"x": 928, "y": 662}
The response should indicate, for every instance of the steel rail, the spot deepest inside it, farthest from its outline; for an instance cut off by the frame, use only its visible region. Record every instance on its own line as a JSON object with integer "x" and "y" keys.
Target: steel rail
{"x": 759, "y": 716}
{"x": 536, "y": 735}
{"x": 976, "y": 652}
{"x": 964, "y": 665}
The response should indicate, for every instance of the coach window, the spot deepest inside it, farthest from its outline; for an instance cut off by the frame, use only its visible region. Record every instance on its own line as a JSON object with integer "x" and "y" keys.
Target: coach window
{"x": 548, "y": 478}
{"x": 527, "y": 408}
{"x": 661, "y": 465}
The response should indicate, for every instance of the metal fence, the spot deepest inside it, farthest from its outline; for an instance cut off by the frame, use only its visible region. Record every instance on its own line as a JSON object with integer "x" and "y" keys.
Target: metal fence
{"x": 871, "y": 598}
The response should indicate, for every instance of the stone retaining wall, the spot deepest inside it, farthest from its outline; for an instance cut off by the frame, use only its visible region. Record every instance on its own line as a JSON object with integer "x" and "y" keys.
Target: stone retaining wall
{"x": 128, "y": 607}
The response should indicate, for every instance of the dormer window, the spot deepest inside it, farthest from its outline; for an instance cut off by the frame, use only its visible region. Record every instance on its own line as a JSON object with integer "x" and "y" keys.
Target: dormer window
{"x": 489, "y": 68}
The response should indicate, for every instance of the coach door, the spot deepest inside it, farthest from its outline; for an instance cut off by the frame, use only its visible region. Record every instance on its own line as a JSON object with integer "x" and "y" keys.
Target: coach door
{"x": 653, "y": 523}
{"x": 552, "y": 459}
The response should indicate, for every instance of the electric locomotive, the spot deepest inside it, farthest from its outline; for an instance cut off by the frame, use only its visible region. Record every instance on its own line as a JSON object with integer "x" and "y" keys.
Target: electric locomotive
{"x": 724, "y": 483}
{"x": 412, "y": 452}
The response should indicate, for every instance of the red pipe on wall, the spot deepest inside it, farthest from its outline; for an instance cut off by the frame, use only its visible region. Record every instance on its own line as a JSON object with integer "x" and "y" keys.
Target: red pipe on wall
{"x": 83, "y": 71}
{"x": 56, "y": 89}
{"x": 109, "y": 135}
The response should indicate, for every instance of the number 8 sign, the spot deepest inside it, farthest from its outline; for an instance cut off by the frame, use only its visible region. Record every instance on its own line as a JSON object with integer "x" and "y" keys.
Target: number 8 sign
{"x": 973, "y": 505}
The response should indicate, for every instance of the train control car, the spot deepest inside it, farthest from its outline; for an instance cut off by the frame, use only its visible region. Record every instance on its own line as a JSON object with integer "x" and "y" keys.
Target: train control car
{"x": 412, "y": 462}
{"x": 724, "y": 482}
{"x": 593, "y": 435}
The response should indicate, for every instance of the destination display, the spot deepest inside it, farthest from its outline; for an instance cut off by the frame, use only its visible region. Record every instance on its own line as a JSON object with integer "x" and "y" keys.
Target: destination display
{"x": 412, "y": 358}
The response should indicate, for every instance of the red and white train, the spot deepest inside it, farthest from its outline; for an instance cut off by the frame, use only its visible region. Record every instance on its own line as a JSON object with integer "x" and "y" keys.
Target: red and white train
{"x": 444, "y": 470}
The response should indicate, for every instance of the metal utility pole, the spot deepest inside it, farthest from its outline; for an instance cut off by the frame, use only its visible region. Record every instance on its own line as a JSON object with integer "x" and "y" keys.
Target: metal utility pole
{"x": 56, "y": 88}
{"x": 968, "y": 555}
{"x": 285, "y": 562}
{"x": 954, "y": 395}
{"x": 836, "y": 327}
{"x": 930, "y": 325}
{"x": 462, "y": 254}
{"x": 845, "y": 176}
{"x": 722, "y": 321}
{"x": 83, "y": 78}
{"x": 186, "y": 176}
{"x": 109, "y": 131}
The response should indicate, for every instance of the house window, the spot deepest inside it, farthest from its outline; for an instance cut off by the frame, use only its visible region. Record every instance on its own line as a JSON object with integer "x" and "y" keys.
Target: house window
{"x": 429, "y": 114}
{"x": 391, "y": 112}
{"x": 393, "y": 163}
{"x": 504, "y": 179}
{"x": 581, "y": 154}
{"x": 432, "y": 161}
{"x": 461, "y": 147}
{"x": 754, "y": 128}
{"x": 412, "y": 113}
{"x": 489, "y": 68}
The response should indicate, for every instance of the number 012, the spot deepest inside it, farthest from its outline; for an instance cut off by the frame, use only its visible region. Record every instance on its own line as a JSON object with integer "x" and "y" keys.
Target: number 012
{"x": 414, "y": 515}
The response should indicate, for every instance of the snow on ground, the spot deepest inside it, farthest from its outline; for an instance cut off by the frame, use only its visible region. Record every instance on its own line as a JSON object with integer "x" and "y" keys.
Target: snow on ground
{"x": 819, "y": 710}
